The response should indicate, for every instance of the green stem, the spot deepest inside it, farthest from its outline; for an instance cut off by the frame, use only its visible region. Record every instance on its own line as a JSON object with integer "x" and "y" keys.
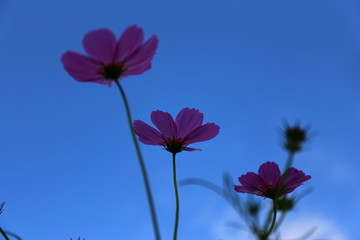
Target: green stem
{"x": 280, "y": 220}
{"x": 4, "y": 234}
{"x": 13, "y": 235}
{"x": 289, "y": 161}
{"x": 176, "y": 198}
{"x": 142, "y": 164}
{"x": 273, "y": 221}
{"x": 267, "y": 223}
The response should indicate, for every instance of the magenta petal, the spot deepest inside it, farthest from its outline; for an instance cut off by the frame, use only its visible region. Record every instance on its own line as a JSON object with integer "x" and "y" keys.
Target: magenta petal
{"x": 245, "y": 189}
{"x": 147, "y": 134}
{"x": 138, "y": 68}
{"x": 187, "y": 120}
{"x": 100, "y": 44}
{"x": 202, "y": 133}
{"x": 240, "y": 188}
{"x": 104, "y": 81}
{"x": 270, "y": 172}
{"x": 190, "y": 149}
{"x": 147, "y": 141}
{"x": 252, "y": 181}
{"x": 165, "y": 123}
{"x": 129, "y": 42}
{"x": 144, "y": 52}
{"x": 83, "y": 77}
{"x": 80, "y": 67}
{"x": 294, "y": 177}
{"x": 80, "y": 62}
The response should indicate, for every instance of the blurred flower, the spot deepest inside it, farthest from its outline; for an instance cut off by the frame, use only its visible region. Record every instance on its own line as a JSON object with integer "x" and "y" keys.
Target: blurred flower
{"x": 176, "y": 135}
{"x": 285, "y": 204}
{"x": 110, "y": 59}
{"x": 295, "y": 136}
{"x": 253, "y": 208}
{"x": 269, "y": 182}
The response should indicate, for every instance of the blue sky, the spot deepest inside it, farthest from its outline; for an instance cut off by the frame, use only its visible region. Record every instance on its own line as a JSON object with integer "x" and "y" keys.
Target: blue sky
{"x": 68, "y": 164}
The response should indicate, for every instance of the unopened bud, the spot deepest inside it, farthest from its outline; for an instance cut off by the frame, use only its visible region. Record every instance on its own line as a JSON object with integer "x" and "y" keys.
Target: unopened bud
{"x": 295, "y": 136}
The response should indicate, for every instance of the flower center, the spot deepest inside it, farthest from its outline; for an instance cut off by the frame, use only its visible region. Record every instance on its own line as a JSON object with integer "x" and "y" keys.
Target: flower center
{"x": 174, "y": 145}
{"x": 270, "y": 191}
{"x": 111, "y": 71}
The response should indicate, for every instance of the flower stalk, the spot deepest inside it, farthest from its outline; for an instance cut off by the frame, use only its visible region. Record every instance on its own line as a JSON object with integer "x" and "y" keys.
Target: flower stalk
{"x": 141, "y": 163}
{"x": 267, "y": 234}
{"x": 289, "y": 161}
{"x": 4, "y": 234}
{"x": 177, "y": 208}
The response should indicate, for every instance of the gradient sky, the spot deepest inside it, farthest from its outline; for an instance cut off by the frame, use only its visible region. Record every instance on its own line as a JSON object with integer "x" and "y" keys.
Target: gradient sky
{"x": 68, "y": 164}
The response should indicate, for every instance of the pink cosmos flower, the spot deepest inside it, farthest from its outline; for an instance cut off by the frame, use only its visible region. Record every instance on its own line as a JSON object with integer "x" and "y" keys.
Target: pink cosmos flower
{"x": 269, "y": 183}
{"x": 176, "y": 135}
{"x": 110, "y": 59}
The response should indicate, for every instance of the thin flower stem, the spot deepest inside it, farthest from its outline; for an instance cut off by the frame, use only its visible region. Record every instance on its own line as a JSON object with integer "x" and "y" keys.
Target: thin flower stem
{"x": 142, "y": 164}
{"x": 269, "y": 217}
{"x": 280, "y": 220}
{"x": 289, "y": 161}
{"x": 4, "y": 234}
{"x": 176, "y": 198}
{"x": 14, "y": 235}
{"x": 267, "y": 234}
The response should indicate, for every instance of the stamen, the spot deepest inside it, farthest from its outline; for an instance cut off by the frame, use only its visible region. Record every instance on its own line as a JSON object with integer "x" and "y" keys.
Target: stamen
{"x": 111, "y": 71}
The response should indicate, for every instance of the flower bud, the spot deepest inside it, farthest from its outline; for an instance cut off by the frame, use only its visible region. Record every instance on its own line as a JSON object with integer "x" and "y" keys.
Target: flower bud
{"x": 253, "y": 208}
{"x": 295, "y": 136}
{"x": 285, "y": 204}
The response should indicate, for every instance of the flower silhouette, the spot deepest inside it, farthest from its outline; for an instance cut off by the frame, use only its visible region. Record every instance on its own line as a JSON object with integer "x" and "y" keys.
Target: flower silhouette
{"x": 295, "y": 136}
{"x": 110, "y": 59}
{"x": 269, "y": 182}
{"x": 176, "y": 135}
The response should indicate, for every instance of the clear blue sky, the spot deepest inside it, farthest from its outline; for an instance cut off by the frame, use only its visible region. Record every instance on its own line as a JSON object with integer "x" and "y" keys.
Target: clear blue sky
{"x": 68, "y": 167}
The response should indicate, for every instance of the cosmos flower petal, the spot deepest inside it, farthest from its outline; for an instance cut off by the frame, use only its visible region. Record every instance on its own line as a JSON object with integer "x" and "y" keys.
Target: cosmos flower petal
{"x": 165, "y": 123}
{"x": 129, "y": 42}
{"x": 252, "y": 181}
{"x": 190, "y": 149}
{"x": 242, "y": 189}
{"x": 293, "y": 177}
{"x": 148, "y": 141}
{"x": 138, "y": 68}
{"x": 103, "y": 81}
{"x": 80, "y": 67}
{"x": 270, "y": 172}
{"x": 83, "y": 77}
{"x": 246, "y": 189}
{"x": 289, "y": 189}
{"x": 202, "y": 133}
{"x": 80, "y": 62}
{"x": 187, "y": 120}
{"x": 100, "y": 44}
{"x": 144, "y": 53}
{"x": 147, "y": 134}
